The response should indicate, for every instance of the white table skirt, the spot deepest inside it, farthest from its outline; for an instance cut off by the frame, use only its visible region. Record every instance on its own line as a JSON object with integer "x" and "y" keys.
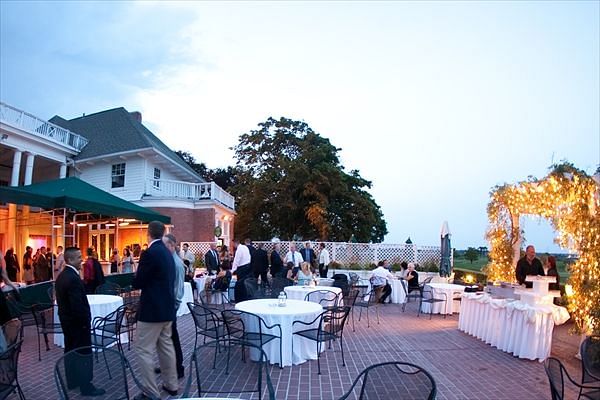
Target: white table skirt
{"x": 300, "y": 292}
{"x": 188, "y": 297}
{"x": 325, "y": 282}
{"x": 100, "y": 306}
{"x": 214, "y": 298}
{"x": 295, "y": 310}
{"x": 398, "y": 294}
{"x": 511, "y": 326}
{"x": 449, "y": 306}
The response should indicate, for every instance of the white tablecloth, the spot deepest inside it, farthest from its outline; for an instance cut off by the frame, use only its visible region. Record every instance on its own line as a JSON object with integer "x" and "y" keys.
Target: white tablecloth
{"x": 188, "y": 297}
{"x": 325, "y": 282}
{"x": 398, "y": 294}
{"x": 295, "y": 310}
{"x": 449, "y": 306}
{"x": 214, "y": 298}
{"x": 100, "y": 306}
{"x": 511, "y": 326}
{"x": 300, "y": 292}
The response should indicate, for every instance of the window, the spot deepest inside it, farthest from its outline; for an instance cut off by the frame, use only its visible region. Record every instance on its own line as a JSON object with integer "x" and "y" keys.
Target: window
{"x": 118, "y": 175}
{"x": 156, "y": 183}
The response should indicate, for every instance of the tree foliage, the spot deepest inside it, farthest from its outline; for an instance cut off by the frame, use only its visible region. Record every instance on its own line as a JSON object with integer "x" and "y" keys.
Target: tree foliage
{"x": 472, "y": 254}
{"x": 289, "y": 181}
{"x": 224, "y": 177}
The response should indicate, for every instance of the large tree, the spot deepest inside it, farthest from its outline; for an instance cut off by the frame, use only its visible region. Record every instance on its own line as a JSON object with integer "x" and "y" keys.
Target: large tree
{"x": 289, "y": 181}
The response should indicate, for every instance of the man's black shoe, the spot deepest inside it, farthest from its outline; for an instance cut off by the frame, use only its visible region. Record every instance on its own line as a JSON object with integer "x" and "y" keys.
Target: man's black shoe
{"x": 92, "y": 391}
{"x": 171, "y": 392}
{"x": 141, "y": 396}
{"x": 157, "y": 370}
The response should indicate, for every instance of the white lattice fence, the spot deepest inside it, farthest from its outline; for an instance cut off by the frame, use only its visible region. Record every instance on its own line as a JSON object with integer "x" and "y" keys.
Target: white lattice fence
{"x": 354, "y": 253}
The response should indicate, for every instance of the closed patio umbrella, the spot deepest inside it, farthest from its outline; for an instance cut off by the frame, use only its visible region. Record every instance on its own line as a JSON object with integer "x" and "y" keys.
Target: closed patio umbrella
{"x": 446, "y": 248}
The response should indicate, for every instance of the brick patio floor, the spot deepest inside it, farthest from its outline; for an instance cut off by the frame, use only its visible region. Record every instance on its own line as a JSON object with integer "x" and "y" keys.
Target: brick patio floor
{"x": 463, "y": 367}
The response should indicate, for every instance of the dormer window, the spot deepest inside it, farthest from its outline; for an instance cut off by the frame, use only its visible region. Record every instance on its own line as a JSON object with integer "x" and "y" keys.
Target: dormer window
{"x": 118, "y": 175}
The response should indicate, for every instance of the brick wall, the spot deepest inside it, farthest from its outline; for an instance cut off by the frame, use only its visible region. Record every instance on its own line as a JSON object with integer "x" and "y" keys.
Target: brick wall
{"x": 191, "y": 225}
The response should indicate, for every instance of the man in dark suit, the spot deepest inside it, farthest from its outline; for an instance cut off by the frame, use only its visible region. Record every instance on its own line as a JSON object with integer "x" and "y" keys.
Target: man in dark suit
{"x": 211, "y": 259}
{"x": 308, "y": 255}
{"x": 260, "y": 264}
{"x": 75, "y": 320}
{"x": 276, "y": 261}
{"x": 155, "y": 276}
{"x": 528, "y": 265}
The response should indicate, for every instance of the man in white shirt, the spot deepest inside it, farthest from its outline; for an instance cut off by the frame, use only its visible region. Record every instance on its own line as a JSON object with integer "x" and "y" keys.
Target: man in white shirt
{"x": 323, "y": 261}
{"x": 186, "y": 254}
{"x": 379, "y": 278}
{"x": 60, "y": 261}
{"x": 293, "y": 256}
{"x": 242, "y": 267}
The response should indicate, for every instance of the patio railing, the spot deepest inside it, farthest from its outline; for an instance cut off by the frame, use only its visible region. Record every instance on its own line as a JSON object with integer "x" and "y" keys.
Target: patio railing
{"x": 29, "y": 123}
{"x": 164, "y": 188}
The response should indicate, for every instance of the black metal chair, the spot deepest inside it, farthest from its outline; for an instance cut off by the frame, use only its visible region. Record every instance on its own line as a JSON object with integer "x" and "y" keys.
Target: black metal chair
{"x": 341, "y": 281}
{"x": 427, "y": 297}
{"x": 331, "y": 327}
{"x": 9, "y": 374}
{"x": 326, "y": 298}
{"x": 253, "y": 289}
{"x": 249, "y": 377}
{"x": 20, "y": 310}
{"x": 208, "y": 325}
{"x": 278, "y": 284}
{"x": 590, "y": 365}
{"x": 107, "y": 330}
{"x": 77, "y": 368}
{"x": 556, "y": 373}
{"x": 411, "y": 292}
{"x": 354, "y": 278}
{"x": 206, "y": 298}
{"x": 43, "y": 314}
{"x": 131, "y": 303}
{"x": 250, "y": 328}
{"x": 367, "y": 299}
{"x": 109, "y": 288}
{"x": 350, "y": 300}
{"x": 392, "y": 380}
{"x": 13, "y": 331}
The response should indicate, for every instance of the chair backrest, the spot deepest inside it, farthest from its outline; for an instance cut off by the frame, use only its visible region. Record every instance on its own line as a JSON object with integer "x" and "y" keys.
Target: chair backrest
{"x": 342, "y": 284}
{"x": 111, "y": 324}
{"x": 402, "y": 380}
{"x": 324, "y": 297}
{"x": 336, "y": 318}
{"x": 109, "y": 288}
{"x": 247, "y": 377}
{"x": 350, "y": 298}
{"x": 43, "y": 314}
{"x": 237, "y": 321}
{"x": 375, "y": 294}
{"x": 13, "y": 331}
{"x": 590, "y": 359}
{"x": 428, "y": 279}
{"x": 9, "y": 363}
{"x": 252, "y": 289}
{"x": 556, "y": 375}
{"x": 77, "y": 367}
{"x": 278, "y": 285}
{"x": 204, "y": 318}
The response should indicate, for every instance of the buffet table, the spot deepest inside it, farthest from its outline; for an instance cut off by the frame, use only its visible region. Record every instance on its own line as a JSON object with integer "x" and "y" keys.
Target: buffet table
{"x": 295, "y": 310}
{"x": 300, "y": 292}
{"x": 100, "y": 306}
{"x": 511, "y": 325}
{"x": 444, "y": 307}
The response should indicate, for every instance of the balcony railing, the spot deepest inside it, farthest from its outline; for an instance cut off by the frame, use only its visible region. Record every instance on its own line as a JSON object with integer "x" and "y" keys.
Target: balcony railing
{"x": 38, "y": 127}
{"x": 164, "y": 188}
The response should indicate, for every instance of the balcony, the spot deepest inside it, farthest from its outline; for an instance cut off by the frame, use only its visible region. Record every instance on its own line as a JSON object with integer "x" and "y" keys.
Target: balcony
{"x": 38, "y": 127}
{"x": 168, "y": 189}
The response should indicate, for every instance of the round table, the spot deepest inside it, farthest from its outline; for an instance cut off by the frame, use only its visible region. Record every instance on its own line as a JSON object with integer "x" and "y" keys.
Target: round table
{"x": 444, "y": 307}
{"x": 215, "y": 297}
{"x": 100, "y": 306}
{"x": 300, "y": 292}
{"x": 295, "y": 310}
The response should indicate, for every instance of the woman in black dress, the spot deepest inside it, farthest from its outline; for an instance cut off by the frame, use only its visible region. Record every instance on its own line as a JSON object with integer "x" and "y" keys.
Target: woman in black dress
{"x": 5, "y": 314}
{"x": 12, "y": 264}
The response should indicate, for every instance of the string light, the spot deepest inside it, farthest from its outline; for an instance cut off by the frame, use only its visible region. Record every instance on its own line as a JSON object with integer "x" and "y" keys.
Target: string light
{"x": 570, "y": 200}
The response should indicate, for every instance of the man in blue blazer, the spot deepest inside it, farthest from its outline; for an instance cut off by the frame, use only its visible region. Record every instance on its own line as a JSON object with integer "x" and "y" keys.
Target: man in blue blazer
{"x": 155, "y": 276}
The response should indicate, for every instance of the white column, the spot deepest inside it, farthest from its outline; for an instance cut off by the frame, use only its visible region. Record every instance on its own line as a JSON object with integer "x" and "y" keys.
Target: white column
{"x": 63, "y": 171}
{"x": 16, "y": 169}
{"x": 29, "y": 168}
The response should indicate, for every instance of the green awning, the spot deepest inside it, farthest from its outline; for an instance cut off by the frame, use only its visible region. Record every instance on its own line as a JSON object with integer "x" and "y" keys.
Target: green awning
{"x": 75, "y": 194}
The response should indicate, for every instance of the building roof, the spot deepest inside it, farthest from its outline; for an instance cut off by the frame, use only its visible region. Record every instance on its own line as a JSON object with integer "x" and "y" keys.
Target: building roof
{"x": 117, "y": 131}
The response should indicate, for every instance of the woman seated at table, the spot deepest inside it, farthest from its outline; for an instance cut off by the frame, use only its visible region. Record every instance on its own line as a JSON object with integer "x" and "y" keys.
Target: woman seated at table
{"x": 223, "y": 279}
{"x": 403, "y": 270}
{"x": 305, "y": 277}
{"x": 412, "y": 277}
{"x": 291, "y": 272}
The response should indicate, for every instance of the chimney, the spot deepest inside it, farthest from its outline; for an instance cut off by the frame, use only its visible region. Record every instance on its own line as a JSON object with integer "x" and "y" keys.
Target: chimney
{"x": 137, "y": 116}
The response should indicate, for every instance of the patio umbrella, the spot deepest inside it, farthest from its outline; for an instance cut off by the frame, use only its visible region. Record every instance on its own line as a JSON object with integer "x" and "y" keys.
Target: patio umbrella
{"x": 445, "y": 267}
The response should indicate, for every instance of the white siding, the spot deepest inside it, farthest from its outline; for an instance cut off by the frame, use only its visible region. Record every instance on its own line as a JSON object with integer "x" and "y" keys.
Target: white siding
{"x": 99, "y": 175}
